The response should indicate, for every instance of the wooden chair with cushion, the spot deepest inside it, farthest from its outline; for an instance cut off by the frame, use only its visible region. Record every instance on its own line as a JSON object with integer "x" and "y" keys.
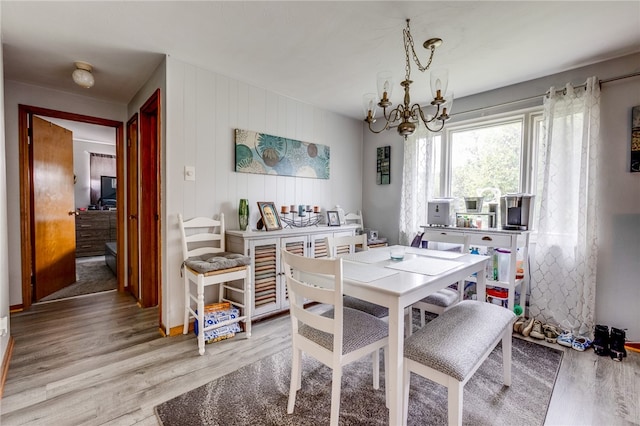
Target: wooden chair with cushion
{"x": 444, "y": 299}
{"x": 336, "y": 337}
{"x": 205, "y": 263}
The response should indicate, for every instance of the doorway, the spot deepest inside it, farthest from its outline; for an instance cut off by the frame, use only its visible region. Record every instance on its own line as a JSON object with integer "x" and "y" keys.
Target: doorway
{"x": 27, "y": 194}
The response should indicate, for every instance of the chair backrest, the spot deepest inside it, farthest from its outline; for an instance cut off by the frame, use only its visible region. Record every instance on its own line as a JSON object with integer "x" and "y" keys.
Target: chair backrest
{"x": 433, "y": 236}
{"x": 201, "y": 235}
{"x": 314, "y": 280}
{"x": 345, "y": 244}
{"x": 354, "y": 218}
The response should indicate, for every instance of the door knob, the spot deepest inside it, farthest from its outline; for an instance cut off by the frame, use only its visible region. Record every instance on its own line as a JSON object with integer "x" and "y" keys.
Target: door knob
{"x": 74, "y": 213}
{"x": 133, "y": 216}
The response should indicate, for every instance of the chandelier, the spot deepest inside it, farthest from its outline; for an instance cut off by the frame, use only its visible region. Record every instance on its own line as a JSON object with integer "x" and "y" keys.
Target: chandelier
{"x": 405, "y": 116}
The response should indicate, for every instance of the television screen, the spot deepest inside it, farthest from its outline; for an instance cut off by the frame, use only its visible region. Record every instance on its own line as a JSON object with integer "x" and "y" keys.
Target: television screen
{"x": 108, "y": 190}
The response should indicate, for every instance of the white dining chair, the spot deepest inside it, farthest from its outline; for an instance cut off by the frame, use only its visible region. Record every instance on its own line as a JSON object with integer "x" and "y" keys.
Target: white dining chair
{"x": 336, "y": 337}
{"x": 205, "y": 262}
{"x": 444, "y": 299}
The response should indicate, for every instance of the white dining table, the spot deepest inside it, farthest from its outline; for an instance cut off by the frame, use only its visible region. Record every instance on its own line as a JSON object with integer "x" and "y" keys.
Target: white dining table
{"x": 372, "y": 276}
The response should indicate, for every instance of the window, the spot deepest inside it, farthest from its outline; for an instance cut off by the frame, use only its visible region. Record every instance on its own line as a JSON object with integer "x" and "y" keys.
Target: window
{"x": 487, "y": 158}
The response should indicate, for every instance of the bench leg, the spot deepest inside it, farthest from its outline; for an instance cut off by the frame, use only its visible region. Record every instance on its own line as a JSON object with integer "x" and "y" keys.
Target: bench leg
{"x": 506, "y": 355}
{"x": 375, "y": 361}
{"x": 187, "y": 303}
{"x": 454, "y": 391}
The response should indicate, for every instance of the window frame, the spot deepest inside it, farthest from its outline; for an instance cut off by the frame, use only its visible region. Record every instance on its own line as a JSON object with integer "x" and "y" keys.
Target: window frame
{"x": 530, "y": 118}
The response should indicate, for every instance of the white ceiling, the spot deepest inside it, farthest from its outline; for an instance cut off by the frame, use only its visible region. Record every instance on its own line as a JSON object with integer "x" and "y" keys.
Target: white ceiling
{"x": 326, "y": 54}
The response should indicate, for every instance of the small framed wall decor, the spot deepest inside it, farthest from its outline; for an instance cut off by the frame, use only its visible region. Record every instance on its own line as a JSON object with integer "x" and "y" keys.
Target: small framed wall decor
{"x": 333, "y": 219}
{"x": 383, "y": 165}
{"x": 269, "y": 215}
{"x": 634, "y": 166}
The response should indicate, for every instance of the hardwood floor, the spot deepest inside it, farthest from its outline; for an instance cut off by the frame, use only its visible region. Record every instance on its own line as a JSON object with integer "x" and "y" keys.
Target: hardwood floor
{"x": 101, "y": 360}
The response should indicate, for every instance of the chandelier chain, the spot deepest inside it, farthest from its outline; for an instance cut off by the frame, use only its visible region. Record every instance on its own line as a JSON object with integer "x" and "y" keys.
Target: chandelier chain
{"x": 409, "y": 42}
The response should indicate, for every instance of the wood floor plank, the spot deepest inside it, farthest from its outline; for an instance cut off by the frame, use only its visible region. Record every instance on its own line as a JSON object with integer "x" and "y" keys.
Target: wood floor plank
{"x": 100, "y": 360}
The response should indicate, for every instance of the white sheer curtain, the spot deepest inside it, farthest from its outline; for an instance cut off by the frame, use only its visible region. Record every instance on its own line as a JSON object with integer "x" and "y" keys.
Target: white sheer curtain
{"x": 417, "y": 183}
{"x": 564, "y": 266}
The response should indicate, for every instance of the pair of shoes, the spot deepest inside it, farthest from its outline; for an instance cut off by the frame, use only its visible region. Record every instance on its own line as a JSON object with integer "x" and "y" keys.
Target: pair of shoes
{"x": 517, "y": 326}
{"x": 551, "y": 333}
{"x": 536, "y": 330}
{"x": 580, "y": 343}
{"x": 601, "y": 340}
{"x": 565, "y": 339}
{"x": 527, "y": 327}
{"x": 616, "y": 344}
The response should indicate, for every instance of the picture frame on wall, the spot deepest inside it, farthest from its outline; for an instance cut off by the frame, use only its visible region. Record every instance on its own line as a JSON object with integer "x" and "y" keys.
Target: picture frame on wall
{"x": 333, "y": 219}
{"x": 634, "y": 166}
{"x": 269, "y": 215}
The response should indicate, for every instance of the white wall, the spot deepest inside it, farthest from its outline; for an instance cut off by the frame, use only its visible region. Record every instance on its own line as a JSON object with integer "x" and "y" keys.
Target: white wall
{"x": 618, "y": 287}
{"x": 4, "y": 247}
{"x": 203, "y": 109}
{"x": 19, "y": 93}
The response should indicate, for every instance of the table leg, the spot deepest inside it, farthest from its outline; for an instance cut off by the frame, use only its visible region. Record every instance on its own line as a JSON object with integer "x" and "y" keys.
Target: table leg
{"x": 481, "y": 285}
{"x": 396, "y": 365}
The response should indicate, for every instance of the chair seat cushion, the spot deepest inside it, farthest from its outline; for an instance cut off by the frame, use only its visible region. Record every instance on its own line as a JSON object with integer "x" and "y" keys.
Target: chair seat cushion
{"x": 211, "y": 262}
{"x": 444, "y": 298}
{"x": 359, "y": 330}
{"x": 364, "y": 306}
{"x": 454, "y": 342}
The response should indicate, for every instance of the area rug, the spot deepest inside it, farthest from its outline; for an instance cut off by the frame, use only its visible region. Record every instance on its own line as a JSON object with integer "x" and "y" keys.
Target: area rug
{"x": 92, "y": 276}
{"x": 257, "y": 394}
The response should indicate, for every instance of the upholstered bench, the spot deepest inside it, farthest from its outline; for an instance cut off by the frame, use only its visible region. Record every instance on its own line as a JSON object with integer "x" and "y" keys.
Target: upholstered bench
{"x": 449, "y": 349}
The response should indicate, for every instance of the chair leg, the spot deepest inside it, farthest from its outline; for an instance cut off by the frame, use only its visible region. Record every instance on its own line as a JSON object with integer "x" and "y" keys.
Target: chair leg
{"x": 336, "y": 383}
{"x": 201, "y": 324}
{"x": 187, "y": 303}
{"x": 454, "y": 391}
{"x": 506, "y": 356}
{"x": 296, "y": 373}
{"x": 408, "y": 321}
{"x": 375, "y": 361}
{"x": 422, "y": 320}
{"x": 247, "y": 302}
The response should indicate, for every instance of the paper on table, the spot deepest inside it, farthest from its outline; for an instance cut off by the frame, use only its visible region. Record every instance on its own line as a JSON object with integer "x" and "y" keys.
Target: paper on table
{"x": 364, "y": 273}
{"x": 434, "y": 253}
{"x": 369, "y": 256}
{"x": 425, "y": 266}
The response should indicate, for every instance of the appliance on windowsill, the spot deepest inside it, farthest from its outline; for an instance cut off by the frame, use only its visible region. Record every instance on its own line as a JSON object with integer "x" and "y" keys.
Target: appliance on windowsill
{"x": 440, "y": 212}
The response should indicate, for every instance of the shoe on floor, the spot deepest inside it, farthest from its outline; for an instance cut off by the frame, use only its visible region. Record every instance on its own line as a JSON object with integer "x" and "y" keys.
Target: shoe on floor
{"x": 517, "y": 326}
{"x": 616, "y": 344}
{"x": 536, "y": 331}
{"x": 565, "y": 339}
{"x": 527, "y": 327}
{"x": 601, "y": 340}
{"x": 551, "y": 333}
{"x": 580, "y": 343}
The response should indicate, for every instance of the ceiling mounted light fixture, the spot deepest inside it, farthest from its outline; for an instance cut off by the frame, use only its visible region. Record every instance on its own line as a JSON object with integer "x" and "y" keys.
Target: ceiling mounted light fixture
{"x": 405, "y": 116}
{"x": 82, "y": 74}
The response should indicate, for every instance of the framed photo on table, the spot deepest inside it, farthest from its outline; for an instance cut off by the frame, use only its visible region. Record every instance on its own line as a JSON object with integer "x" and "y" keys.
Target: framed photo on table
{"x": 333, "y": 218}
{"x": 269, "y": 215}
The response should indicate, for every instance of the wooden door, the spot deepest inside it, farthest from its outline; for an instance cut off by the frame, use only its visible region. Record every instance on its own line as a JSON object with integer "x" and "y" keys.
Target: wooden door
{"x": 149, "y": 208}
{"x": 133, "y": 252}
{"x": 54, "y": 232}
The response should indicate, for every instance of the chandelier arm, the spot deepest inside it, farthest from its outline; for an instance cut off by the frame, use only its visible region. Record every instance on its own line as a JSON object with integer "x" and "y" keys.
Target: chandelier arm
{"x": 421, "y": 112}
{"x": 435, "y": 130}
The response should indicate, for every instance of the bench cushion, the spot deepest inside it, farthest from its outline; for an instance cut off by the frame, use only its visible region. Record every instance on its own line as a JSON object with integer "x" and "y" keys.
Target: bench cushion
{"x": 443, "y": 298}
{"x": 454, "y": 342}
{"x": 215, "y": 262}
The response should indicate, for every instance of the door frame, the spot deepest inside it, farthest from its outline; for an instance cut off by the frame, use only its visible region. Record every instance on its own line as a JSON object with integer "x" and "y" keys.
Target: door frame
{"x": 26, "y": 211}
{"x": 132, "y": 179}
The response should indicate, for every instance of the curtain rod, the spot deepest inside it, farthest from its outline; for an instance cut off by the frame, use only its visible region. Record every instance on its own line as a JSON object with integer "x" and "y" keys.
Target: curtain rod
{"x": 517, "y": 101}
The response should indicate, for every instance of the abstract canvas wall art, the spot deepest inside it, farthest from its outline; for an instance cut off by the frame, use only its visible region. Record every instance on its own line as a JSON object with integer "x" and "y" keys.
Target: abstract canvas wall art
{"x": 261, "y": 153}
